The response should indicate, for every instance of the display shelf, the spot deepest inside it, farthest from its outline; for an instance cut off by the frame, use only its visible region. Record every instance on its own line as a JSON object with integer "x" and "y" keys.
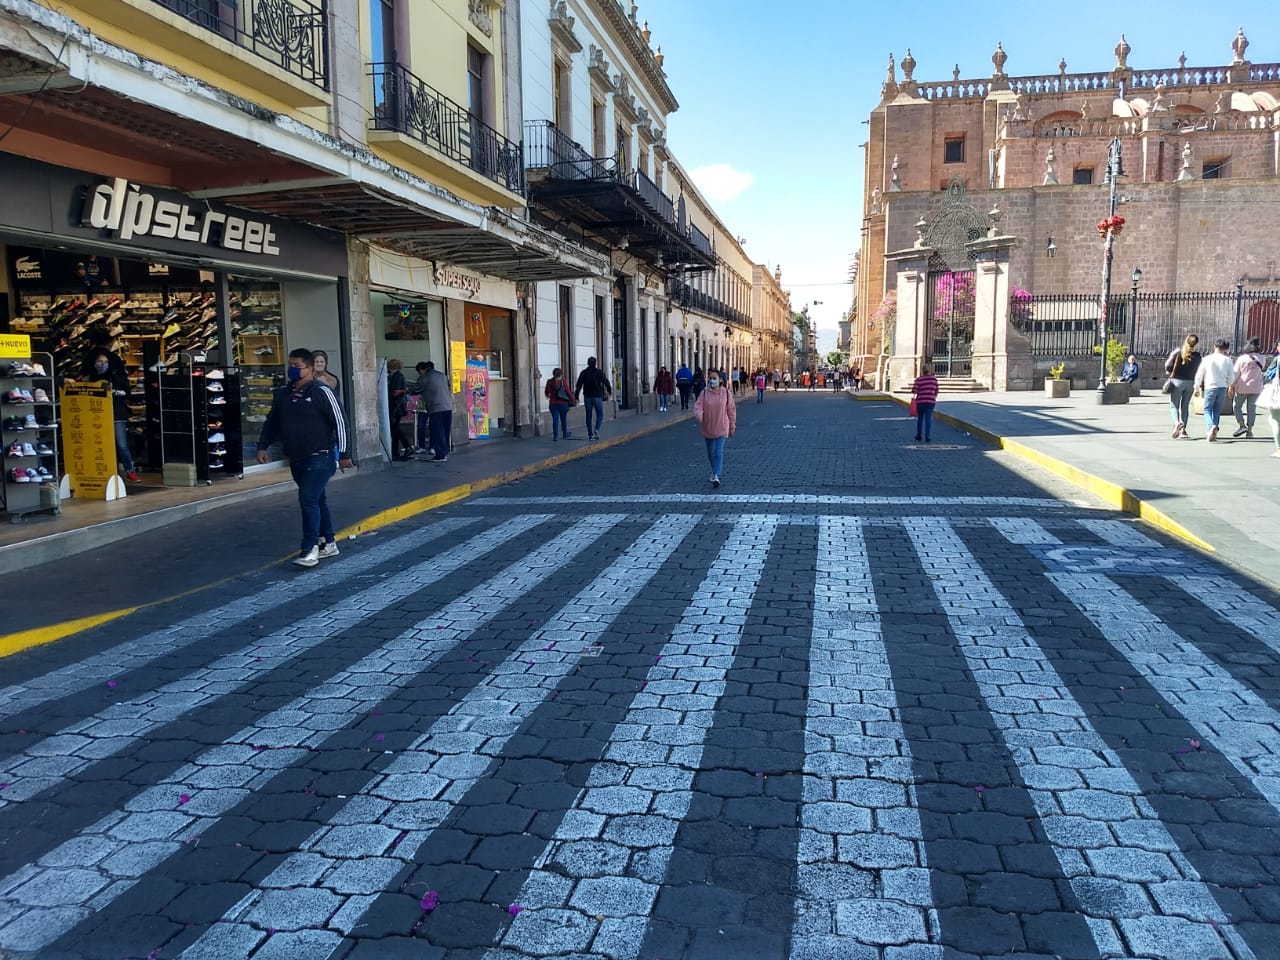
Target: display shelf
{"x": 28, "y": 437}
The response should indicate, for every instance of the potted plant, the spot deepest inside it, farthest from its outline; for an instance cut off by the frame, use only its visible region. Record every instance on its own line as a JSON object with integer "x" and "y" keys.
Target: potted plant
{"x": 1054, "y": 385}
{"x": 1113, "y": 391}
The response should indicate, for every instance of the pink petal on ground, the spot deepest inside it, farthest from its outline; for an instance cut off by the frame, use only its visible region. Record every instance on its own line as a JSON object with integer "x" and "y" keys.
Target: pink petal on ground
{"x": 514, "y": 909}
{"x": 529, "y": 662}
{"x": 111, "y": 683}
{"x": 658, "y": 658}
{"x": 4, "y": 786}
{"x": 979, "y": 788}
{"x": 550, "y": 646}
{"x": 429, "y": 901}
{"x": 1195, "y": 744}
{"x": 184, "y": 798}
{"x": 381, "y": 736}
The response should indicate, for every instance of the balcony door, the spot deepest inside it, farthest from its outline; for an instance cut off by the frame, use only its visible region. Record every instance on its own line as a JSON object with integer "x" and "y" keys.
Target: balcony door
{"x": 216, "y": 15}
{"x": 389, "y": 92}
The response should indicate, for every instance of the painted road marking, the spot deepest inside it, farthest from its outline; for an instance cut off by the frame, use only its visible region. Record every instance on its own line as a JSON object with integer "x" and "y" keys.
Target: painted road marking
{"x": 56, "y": 758}
{"x": 641, "y": 815}
{"x": 1068, "y": 770}
{"x": 155, "y": 824}
{"x": 778, "y": 499}
{"x": 401, "y": 807}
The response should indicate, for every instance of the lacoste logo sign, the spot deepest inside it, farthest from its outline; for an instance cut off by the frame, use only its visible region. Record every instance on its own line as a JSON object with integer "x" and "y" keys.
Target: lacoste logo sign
{"x": 27, "y": 268}
{"x": 130, "y": 212}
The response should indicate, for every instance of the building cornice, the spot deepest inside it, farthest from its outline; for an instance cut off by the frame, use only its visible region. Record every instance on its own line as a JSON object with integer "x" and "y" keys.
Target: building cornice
{"x": 627, "y": 32}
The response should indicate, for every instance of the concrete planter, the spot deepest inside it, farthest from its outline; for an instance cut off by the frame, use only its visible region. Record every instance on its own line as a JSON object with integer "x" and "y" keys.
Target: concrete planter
{"x": 1114, "y": 393}
{"x": 1135, "y": 389}
{"x": 1057, "y": 389}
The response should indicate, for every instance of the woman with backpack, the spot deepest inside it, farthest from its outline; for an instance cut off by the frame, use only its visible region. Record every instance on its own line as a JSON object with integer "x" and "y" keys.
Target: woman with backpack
{"x": 1247, "y": 386}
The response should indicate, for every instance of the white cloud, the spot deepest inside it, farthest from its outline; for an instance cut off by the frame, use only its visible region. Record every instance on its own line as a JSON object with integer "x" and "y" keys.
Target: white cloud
{"x": 720, "y": 183}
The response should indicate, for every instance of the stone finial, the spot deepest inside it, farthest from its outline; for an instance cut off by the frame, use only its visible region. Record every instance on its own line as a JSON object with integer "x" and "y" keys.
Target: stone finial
{"x": 634, "y": 7}
{"x": 1185, "y": 173}
{"x": 994, "y": 216}
{"x": 889, "y": 89}
{"x": 1084, "y": 109}
{"x": 1021, "y": 111}
{"x": 895, "y": 184}
{"x": 999, "y": 58}
{"x": 657, "y": 56}
{"x": 1182, "y": 62}
{"x": 921, "y": 226}
{"x": 876, "y": 208}
{"x": 1062, "y": 67}
{"x": 1238, "y": 46}
{"x": 908, "y": 66}
{"x": 1122, "y": 52}
{"x": 1050, "y": 173}
{"x": 1220, "y": 104}
{"x": 1158, "y": 105}
{"x": 955, "y": 74}
{"x": 645, "y": 34}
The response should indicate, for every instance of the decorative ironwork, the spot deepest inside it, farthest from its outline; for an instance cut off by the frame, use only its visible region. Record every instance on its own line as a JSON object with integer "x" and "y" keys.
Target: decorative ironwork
{"x": 956, "y": 224}
{"x": 292, "y": 34}
{"x": 404, "y": 103}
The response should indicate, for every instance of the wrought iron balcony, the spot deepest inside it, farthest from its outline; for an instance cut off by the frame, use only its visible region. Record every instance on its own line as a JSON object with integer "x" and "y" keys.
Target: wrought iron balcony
{"x": 292, "y": 34}
{"x": 617, "y": 208}
{"x": 405, "y": 104}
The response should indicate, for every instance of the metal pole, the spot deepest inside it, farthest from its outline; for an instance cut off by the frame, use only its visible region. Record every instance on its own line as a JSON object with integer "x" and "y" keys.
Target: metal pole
{"x": 1113, "y": 164}
{"x": 1133, "y": 322}
{"x": 1235, "y": 344}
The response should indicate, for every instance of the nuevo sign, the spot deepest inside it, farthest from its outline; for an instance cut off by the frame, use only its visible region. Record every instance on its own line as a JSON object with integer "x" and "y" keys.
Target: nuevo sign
{"x": 131, "y": 212}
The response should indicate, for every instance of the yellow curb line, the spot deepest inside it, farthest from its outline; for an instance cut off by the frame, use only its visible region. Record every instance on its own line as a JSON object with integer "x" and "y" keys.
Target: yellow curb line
{"x": 1113, "y": 493}
{"x": 17, "y": 642}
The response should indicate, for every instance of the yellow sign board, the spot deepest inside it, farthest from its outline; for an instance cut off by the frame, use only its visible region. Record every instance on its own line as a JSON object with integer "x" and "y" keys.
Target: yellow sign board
{"x": 88, "y": 440}
{"x": 15, "y": 346}
{"x": 457, "y": 363}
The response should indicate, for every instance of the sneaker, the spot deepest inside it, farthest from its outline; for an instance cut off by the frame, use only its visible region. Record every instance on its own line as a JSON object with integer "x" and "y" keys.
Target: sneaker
{"x": 132, "y": 476}
{"x": 1240, "y": 432}
{"x": 13, "y": 424}
{"x": 715, "y": 481}
{"x": 1178, "y": 429}
{"x": 14, "y": 396}
{"x": 308, "y": 559}
{"x": 1213, "y": 434}
{"x": 43, "y": 449}
{"x": 28, "y": 450}
{"x": 15, "y": 450}
{"x": 215, "y": 375}
{"x": 18, "y": 475}
{"x": 217, "y": 438}
{"x": 218, "y": 402}
{"x": 30, "y": 422}
{"x": 37, "y": 370}
{"x": 33, "y": 475}
{"x": 215, "y": 424}
{"x": 216, "y": 465}
{"x": 264, "y": 351}
{"x": 27, "y": 397}
{"x": 1248, "y": 433}
{"x": 39, "y": 396}
{"x": 218, "y": 452}
{"x": 328, "y": 548}
{"x": 213, "y": 387}
{"x": 44, "y": 474}
{"x": 437, "y": 460}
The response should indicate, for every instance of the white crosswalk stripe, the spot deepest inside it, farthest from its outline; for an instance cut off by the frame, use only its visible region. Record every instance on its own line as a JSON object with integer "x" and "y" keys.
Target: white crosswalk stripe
{"x": 52, "y": 760}
{"x": 417, "y": 791}
{"x": 154, "y": 824}
{"x": 862, "y": 861}
{"x": 1090, "y": 807}
{"x": 132, "y": 654}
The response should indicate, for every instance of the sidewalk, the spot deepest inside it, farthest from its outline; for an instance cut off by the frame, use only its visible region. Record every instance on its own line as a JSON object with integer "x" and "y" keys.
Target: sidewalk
{"x": 1221, "y": 495}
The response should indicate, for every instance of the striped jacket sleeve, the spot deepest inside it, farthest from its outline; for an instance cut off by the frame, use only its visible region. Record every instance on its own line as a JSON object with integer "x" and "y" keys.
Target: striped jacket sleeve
{"x": 339, "y": 422}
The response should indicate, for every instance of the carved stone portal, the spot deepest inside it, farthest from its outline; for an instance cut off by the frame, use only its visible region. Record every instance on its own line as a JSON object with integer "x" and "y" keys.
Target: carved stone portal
{"x": 478, "y": 12}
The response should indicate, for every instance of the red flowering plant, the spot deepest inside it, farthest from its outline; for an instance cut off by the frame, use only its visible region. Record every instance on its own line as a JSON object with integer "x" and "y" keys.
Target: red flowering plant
{"x": 1113, "y": 225}
{"x": 1021, "y": 307}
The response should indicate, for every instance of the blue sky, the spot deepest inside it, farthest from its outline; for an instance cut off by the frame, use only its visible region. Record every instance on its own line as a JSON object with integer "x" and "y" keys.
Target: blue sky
{"x": 773, "y": 94}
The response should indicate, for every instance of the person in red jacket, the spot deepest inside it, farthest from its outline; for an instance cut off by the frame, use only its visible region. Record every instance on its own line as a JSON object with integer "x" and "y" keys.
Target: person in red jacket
{"x": 925, "y": 390}
{"x": 559, "y": 399}
{"x": 664, "y": 386}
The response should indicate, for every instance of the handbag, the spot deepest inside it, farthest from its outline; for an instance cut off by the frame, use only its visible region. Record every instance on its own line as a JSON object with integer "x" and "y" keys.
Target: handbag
{"x": 913, "y": 409}
{"x": 1269, "y": 398}
{"x": 1168, "y": 386}
{"x": 564, "y": 394}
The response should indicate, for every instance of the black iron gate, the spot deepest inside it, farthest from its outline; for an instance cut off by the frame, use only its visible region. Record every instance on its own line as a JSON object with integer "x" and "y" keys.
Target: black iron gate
{"x": 950, "y": 306}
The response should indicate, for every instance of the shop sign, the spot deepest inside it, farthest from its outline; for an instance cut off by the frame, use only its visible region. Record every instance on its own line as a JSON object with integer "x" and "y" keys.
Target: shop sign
{"x": 453, "y": 277}
{"x": 15, "y": 346}
{"x": 129, "y": 211}
{"x": 88, "y": 439}
{"x": 28, "y": 268}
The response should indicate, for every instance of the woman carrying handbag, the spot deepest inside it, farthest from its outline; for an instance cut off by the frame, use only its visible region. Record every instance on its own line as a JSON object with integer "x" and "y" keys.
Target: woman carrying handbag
{"x": 560, "y": 398}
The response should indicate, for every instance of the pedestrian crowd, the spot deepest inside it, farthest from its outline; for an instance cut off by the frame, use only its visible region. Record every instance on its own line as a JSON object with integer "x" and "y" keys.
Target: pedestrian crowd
{"x": 1242, "y": 385}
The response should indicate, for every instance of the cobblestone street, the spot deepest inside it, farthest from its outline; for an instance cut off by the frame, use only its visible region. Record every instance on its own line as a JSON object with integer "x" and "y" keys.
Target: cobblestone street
{"x": 869, "y": 700}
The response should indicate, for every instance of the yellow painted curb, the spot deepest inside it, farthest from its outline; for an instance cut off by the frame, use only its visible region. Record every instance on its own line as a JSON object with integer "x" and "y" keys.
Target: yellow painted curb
{"x": 15, "y": 642}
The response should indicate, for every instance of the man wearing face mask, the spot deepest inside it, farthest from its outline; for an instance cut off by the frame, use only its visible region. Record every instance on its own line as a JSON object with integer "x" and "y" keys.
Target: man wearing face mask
{"x": 306, "y": 418}
{"x": 102, "y": 364}
{"x": 717, "y": 415}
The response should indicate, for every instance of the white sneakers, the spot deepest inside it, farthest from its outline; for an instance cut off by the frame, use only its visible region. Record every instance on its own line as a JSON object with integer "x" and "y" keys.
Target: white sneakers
{"x": 328, "y": 548}
{"x": 325, "y": 549}
{"x": 715, "y": 480}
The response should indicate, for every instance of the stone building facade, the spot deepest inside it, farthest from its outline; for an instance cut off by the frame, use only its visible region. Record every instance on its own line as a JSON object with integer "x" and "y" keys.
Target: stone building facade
{"x": 1201, "y": 173}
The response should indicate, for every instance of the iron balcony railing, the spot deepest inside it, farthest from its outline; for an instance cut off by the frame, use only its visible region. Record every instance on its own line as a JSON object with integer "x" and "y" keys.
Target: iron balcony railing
{"x": 1065, "y": 325}
{"x": 406, "y": 104}
{"x": 688, "y": 297}
{"x": 292, "y": 34}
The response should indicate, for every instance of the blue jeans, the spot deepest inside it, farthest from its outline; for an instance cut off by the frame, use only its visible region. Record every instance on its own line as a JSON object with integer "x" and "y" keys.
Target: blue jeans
{"x": 759, "y": 394}
{"x": 1180, "y": 402}
{"x": 924, "y": 419}
{"x": 311, "y": 475}
{"x": 122, "y": 446}
{"x": 559, "y": 420}
{"x": 715, "y": 453}
{"x": 441, "y": 428}
{"x": 1213, "y": 406}
{"x": 593, "y": 405}
{"x": 423, "y": 421}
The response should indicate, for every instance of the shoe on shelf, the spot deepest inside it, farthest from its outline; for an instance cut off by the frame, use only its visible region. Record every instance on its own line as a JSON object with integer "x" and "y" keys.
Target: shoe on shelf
{"x": 37, "y": 370}
{"x": 218, "y": 452}
{"x": 215, "y": 375}
{"x": 44, "y": 474}
{"x": 216, "y": 465}
{"x": 28, "y": 450}
{"x": 18, "y": 475}
{"x": 132, "y": 476}
{"x": 217, "y": 438}
{"x": 264, "y": 351}
{"x": 213, "y": 387}
{"x": 218, "y": 402}
{"x": 43, "y": 449}
{"x": 1241, "y": 431}
{"x": 328, "y": 548}
{"x": 15, "y": 450}
{"x": 308, "y": 559}
{"x": 39, "y": 396}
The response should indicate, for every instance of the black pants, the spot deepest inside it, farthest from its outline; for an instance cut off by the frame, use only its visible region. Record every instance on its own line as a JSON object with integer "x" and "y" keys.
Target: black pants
{"x": 684, "y": 395}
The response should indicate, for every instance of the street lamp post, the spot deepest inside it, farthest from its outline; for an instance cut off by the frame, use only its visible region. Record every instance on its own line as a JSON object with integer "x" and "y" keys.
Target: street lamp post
{"x": 1109, "y": 227}
{"x": 1136, "y": 277}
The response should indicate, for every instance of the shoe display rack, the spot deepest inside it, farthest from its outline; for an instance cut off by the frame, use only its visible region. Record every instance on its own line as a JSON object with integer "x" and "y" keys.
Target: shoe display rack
{"x": 28, "y": 436}
{"x": 257, "y": 330}
{"x": 199, "y": 419}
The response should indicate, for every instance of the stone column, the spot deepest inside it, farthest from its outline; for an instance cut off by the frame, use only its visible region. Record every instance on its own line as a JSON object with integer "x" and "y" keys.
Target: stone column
{"x": 911, "y": 333}
{"x": 1001, "y": 355}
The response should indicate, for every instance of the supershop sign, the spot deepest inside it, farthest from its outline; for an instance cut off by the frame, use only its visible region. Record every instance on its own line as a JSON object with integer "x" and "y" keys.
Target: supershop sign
{"x": 130, "y": 211}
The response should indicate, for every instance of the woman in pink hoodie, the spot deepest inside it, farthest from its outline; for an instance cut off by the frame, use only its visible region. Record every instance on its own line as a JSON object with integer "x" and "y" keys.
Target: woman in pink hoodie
{"x": 717, "y": 415}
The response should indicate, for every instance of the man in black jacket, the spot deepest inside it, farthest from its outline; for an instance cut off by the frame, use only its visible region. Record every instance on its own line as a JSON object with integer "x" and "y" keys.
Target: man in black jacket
{"x": 306, "y": 418}
{"x": 594, "y": 386}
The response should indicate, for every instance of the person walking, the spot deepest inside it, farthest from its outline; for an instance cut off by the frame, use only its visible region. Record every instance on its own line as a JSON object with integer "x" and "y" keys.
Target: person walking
{"x": 593, "y": 389}
{"x": 717, "y": 415}
{"x": 786, "y": 380}
{"x": 699, "y": 382}
{"x": 1214, "y": 378}
{"x": 925, "y": 390}
{"x": 664, "y": 386}
{"x": 397, "y": 389}
{"x": 306, "y": 418}
{"x": 1181, "y": 366}
{"x": 1244, "y": 403}
{"x": 733, "y": 380}
{"x": 437, "y": 397}
{"x": 1273, "y": 412}
{"x": 777, "y": 379}
{"x": 104, "y": 365}
{"x": 762, "y": 384}
{"x": 684, "y": 383}
{"x": 559, "y": 399}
